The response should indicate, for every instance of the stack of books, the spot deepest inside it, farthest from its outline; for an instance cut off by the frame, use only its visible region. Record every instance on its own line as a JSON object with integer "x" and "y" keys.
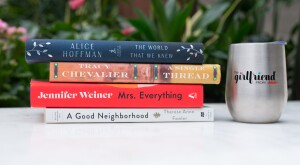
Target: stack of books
{"x": 121, "y": 81}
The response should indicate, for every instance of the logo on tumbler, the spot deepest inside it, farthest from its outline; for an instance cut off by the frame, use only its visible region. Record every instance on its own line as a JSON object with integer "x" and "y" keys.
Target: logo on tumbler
{"x": 257, "y": 78}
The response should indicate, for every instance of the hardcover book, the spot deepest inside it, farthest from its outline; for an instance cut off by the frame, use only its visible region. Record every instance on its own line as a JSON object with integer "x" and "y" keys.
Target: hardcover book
{"x": 90, "y": 115}
{"x": 46, "y": 94}
{"x": 47, "y": 50}
{"x": 134, "y": 73}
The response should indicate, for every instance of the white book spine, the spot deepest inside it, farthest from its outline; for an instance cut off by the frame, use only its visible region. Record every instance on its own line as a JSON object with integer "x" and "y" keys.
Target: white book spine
{"x": 80, "y": 115}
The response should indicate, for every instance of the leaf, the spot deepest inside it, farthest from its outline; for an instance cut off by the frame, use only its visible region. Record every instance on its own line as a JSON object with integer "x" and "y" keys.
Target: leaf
{"x": 24, "y": 74}
{"x": 145, "y": 26}
{"x": 40, "y": 45}
{"x": 32, "y": 28}
{"x": 178, "y": 50}
{"x": 201, "y": 51}
{"x": 28, "y": 54}
{"x": 62, "y": 26}
{"x": 50, "y": 55}
{"x": 191, "y": 53}
{"x": 142, "y": 27}
{"x": 192, "y": 46}
{"x": 188, "y": 50}
{"x": 48, "y": 43}
{"x": 239, "y": 32}
{"x": 182, "y": 47}
{"x": 8, "y": 96}
{"x": 196, "y": 18}
{"x": 196, "y": 54}
{"x": 160, "y": 15}
{"x": 188, "y": 58}
{"x": 44, "y": 51}
{"x": 170, "y": 9}
{"x": 34, "y": 44}
{"x": 38, "y": 52}
{"x": 178, "y": 23}
{"x": 219, "y": 55}
{"x": 213, "y": 13}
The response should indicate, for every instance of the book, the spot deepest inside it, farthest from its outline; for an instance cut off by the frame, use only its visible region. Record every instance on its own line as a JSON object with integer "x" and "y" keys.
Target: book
{"x": 47, "y": 94}
{"x": 90, "y": 115}
{"x": 134, "y": 73}
{"x": 47, "y": 50}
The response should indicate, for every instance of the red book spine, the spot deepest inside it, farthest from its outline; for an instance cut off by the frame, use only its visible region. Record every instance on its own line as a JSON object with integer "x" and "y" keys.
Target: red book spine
{"x": 81, "y": 95}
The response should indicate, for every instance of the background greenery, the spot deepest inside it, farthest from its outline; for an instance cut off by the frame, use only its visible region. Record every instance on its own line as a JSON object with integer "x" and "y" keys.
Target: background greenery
{"x": 216, "y": 25}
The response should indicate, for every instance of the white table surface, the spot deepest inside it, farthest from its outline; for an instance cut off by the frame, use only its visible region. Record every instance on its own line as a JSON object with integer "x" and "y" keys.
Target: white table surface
{"x": 26, "y": 140}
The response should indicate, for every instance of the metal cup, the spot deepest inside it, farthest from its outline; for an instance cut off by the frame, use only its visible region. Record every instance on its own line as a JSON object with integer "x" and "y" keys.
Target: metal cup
{"x": 256, "y": 84}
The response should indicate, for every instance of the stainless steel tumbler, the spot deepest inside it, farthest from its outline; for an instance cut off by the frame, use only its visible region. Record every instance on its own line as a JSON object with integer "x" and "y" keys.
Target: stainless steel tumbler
{"x": 256, "y": 83}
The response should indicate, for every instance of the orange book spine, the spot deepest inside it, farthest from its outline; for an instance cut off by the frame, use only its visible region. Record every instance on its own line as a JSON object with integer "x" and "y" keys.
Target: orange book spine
{"x": 134, "y": 73}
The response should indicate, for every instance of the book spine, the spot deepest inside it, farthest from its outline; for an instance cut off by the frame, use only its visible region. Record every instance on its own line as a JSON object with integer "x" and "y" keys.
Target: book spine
{"x": 46, "y": 94}
{"x": 47, "y": 50}
{"x": 134, "y": 73}
{"x": 64, "y": 115}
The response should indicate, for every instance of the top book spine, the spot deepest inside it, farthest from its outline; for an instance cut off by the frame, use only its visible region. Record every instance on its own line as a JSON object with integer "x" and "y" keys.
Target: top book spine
{"x": 52, "y": 50}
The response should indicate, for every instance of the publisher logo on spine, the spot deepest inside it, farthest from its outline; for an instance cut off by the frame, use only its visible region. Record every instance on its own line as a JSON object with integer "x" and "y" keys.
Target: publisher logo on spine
{"x": 255, "y": 77}
{"x": 193, "y": 95}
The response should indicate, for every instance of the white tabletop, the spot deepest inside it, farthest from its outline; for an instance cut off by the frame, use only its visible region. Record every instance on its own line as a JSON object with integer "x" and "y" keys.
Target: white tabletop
{"x": 26, "y": 140}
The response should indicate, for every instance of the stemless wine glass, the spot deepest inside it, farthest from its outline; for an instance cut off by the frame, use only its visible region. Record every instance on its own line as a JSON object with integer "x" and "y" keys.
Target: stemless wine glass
{"x": 256, "y": 84}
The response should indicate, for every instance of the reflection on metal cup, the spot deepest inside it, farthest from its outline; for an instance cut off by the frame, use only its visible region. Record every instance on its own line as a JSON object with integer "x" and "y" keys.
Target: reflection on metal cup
{"x": 256, "y": 83}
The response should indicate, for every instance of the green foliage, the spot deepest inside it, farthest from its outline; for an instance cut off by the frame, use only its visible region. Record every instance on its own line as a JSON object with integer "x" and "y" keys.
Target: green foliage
{"x": 47, "y": 19}
{"x": 167, "y": 23}
{"x": 13, "y": 77}
{"x": 43, "y": 12}
{"x": 216, "y": 25}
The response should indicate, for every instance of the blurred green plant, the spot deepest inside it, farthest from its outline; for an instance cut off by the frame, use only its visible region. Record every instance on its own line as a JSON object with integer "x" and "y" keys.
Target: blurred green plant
{"x": 90, "y": 19}
{"x": 42, "y": 12}
{"x": 167, "y": 23}
{"x": 217, "y": 26}
{"x": 14, "y": 74}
